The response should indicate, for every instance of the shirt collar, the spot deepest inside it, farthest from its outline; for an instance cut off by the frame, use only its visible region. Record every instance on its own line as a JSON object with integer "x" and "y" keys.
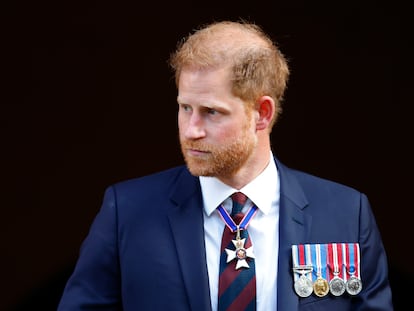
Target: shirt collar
{"x": 261, "y": 191}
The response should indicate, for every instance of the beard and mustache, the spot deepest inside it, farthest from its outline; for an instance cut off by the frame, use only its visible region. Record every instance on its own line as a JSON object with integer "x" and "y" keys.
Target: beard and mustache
{"x": 219, "y": 160}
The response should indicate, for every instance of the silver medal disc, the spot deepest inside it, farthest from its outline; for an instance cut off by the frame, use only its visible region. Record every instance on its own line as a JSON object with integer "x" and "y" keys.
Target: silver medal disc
{"x": 353, "y": 285}
{"x": 303, "y": 286}
{"x": 337, "y": 286}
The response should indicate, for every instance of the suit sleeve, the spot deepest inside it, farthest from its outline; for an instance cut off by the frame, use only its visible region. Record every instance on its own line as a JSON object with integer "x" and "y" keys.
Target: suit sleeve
{"x": 95, "y": 282}
{"x": 376, "y": 292}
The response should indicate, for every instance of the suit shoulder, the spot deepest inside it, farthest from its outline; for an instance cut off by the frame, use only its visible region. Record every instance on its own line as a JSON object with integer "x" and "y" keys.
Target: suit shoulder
{"x": 312, "y": 181}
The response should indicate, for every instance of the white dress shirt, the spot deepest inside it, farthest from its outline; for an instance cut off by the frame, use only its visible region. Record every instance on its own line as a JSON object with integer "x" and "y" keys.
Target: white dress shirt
{"x": 263, "y": 229}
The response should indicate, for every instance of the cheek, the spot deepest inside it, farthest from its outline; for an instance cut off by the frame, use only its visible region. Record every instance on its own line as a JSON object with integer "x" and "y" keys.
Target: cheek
{"x": 226, "y": 134}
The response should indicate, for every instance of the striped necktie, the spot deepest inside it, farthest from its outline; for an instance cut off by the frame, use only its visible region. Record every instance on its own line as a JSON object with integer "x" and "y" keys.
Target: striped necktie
{"x": 237, "y": 285}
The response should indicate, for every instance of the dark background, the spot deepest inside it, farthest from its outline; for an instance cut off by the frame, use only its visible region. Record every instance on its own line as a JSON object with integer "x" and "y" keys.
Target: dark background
{"x": 89, "y": 100}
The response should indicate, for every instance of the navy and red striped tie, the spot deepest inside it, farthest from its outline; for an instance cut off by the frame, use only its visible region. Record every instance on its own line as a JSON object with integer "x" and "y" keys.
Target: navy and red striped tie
{"x": 237, "y": 287}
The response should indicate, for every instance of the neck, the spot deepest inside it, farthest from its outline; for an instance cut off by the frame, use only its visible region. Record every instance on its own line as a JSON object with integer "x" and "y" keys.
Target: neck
{"x": 254, "y": 166}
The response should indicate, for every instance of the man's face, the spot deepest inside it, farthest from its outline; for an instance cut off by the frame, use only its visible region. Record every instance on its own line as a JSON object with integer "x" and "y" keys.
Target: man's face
{"x": 217, "y": 136}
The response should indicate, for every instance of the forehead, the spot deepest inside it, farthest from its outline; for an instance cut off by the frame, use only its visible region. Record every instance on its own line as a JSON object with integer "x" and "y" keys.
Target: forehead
{"x": 202, "y": 82}
{"x": 193, "y": 75}
{"x": 210, "y": 88}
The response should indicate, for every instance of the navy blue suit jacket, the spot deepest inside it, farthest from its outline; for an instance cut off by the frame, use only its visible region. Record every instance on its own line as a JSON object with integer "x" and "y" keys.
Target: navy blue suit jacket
{"x": 145, "y": 249}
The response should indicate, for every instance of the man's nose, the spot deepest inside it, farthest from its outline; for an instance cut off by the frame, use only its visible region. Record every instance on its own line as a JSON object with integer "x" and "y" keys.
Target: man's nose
{"x": 195, "y": 127}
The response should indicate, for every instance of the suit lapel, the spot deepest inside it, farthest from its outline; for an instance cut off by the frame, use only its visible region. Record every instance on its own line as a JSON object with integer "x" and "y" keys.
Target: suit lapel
{"x": 186, "y": 220}
{"x": 294, "y": 226}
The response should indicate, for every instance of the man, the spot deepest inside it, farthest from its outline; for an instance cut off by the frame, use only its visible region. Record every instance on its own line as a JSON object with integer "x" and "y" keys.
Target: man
{"x": 304, "y": 243}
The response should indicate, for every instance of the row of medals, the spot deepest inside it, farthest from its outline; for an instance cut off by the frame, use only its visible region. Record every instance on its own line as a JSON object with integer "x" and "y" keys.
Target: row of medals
{"x": 321, "y": 287}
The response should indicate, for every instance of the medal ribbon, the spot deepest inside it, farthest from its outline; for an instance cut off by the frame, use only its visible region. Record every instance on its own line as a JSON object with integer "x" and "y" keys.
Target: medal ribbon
{"x": 309, "y": 259}
{"x": 323, "y": 258}
{"x": 352, "y": 258}
{"x": 345, "y": 261}
{"x": 331, "y": 260}
{"x": 357, "y": 263}
{"x": 230, "y": 222}
{"x": 335, "y": 260}
{"x": 298, "y": 257}
{"x": 302, "y": 260}
{"x": 319, "y": 254}
{"x": 295, "y": 259}
{"x": 338, "y": 254}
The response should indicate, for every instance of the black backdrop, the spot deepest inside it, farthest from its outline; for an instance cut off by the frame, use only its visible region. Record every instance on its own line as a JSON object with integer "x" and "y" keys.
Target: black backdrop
{"x": 89, "y": 100}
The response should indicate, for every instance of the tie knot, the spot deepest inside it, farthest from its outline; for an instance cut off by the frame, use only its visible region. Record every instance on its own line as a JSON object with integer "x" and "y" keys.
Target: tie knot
{"x": 239, "y": 199}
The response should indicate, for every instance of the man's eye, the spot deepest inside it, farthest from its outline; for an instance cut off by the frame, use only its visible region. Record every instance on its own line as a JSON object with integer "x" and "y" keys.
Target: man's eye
{"x": 212, "y": 111}
{"x": 185, "y": 107}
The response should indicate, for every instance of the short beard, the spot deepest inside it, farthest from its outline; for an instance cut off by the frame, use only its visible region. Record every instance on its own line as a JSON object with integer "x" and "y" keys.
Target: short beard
{"x": 222, "y": 161}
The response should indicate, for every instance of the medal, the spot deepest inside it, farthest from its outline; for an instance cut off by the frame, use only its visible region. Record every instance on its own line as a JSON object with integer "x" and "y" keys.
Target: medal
{"x": 353, "y": 285}
{"x": 335, "y": 265}
{"x": 320, "y": 286}
{"x": 240, "y": 252}
{"x": 336, "y": 284}
{"x": 302, "y": 271}
{"x": 303, "y": 286}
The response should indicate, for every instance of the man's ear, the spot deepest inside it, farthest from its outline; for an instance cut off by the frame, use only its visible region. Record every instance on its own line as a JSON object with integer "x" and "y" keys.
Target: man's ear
{"x": 265, "y": 107}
